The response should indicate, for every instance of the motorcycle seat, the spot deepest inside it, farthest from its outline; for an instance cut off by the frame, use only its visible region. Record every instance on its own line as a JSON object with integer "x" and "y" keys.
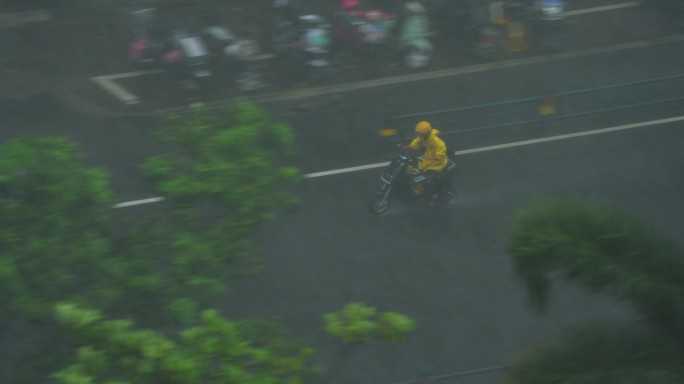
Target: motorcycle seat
{"x": 451, "y": 165}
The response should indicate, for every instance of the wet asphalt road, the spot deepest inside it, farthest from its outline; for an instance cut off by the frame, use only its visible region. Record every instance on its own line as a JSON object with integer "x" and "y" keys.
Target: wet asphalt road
{"x": 447, "y": 268}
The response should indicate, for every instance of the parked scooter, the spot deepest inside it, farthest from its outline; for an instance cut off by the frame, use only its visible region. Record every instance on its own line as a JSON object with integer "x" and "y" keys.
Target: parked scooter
{"x": 376, "y": 32}
{"x": 235, "y": 54}
{"x": 550, "y": 9}
{"x": 152, "y": 45}
{"x": 195, "y": 56}
{"x": 232, "y": 52}
{"x": 364, "y": 32}
{"x": 181, "y": 51}
{"x": 413, "y": 42}
{"x": 548, "y": 24}
{"x": 303, "y": 42}
{"x": 500, "y": 27}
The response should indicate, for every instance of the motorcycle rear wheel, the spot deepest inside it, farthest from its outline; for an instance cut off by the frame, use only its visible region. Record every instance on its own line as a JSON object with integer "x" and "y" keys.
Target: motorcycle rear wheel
{"x": 449, "y": 191}
{"x": 379, "y": 204}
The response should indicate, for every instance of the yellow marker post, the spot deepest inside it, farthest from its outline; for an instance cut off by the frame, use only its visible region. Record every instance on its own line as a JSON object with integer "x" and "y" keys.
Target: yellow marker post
{"x": 548, "y": 106}
{"x": 388, "y": 132}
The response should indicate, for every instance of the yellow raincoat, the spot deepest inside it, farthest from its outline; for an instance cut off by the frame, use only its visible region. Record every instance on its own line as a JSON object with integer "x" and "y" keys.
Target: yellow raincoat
{"x": 434, "y": 147}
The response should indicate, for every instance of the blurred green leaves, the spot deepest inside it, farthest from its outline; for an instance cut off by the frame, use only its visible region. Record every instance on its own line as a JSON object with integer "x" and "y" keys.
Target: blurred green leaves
{"x": 603, "y": 249}
{"x": 358, "y": 323}
{"x": 229, "y": 172}
{"x": 606, "y": 251}
{"x": 54, "y": 234}
{"x": 64, "y": 251}
{"x": 214, "y": 351}
{"x": 239, "y": 160}
{"x": 601, "y": 354}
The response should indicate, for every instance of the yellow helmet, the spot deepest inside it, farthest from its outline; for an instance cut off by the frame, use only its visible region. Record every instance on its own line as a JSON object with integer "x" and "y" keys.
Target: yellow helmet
{"x": 423, "y": 127}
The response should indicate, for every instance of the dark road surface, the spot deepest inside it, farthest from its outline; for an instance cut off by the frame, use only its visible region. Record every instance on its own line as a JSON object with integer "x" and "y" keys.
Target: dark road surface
{"x": 446, "y": 268}
{"x": 449, "y": 268}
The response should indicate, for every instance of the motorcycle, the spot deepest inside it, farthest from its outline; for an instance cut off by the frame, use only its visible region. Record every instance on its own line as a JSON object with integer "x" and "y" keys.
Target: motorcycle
{"x": 303, "y": 43}
{"x": 500, "y": 27}
{"x": 413, "y": 43}
{"x": 374, "y": 32}
{"x": 151, "y": 46}
{"x": 314, "y": 46}
{"x": 550, "y": 9}
{"x": 403, "y": 179}
{"x": 548, "y": 25}
{"x": 231, "y": 51}
{"x": 181, "y": 51}
{"x": 195, "y": 56}
{"x": 364, "y": 32}
{"x": 236, "y": 54}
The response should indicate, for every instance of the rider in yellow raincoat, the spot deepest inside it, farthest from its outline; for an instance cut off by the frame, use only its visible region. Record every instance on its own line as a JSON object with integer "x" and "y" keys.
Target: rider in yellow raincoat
{"x": 434, "y": 159}
{"x": 435, "y": 156}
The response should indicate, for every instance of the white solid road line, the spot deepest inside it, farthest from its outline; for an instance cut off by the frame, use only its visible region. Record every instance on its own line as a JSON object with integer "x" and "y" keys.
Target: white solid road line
{"x": 465, "y": 152}
{"x": 108, "y": 84}
{"x": 138, "y": 202}
{"x": 604, "y": 8}
{"x": 511, "y": 145}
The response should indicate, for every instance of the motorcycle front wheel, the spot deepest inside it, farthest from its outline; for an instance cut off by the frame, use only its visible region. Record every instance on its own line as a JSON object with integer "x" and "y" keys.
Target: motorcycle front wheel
{"x": 380, "y": 204}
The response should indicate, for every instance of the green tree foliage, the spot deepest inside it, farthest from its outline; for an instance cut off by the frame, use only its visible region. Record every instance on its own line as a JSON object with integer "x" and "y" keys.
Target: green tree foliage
{"x": 606, "y": 251}
{"x": 600, "y": 355}
{"x": 214, "y": 351}
{"x": 358, "y": 323}
{"x": 60, "y": 239}
{"x": 54, "y": 228}
{"x": 233, "y": 159}
{"x": 230, "y": 172}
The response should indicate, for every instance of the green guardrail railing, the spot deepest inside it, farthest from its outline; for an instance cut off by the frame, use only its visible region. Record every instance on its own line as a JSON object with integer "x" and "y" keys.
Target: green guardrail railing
{"x": 400, "y": 123}
{"x": 428, "y": 379}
